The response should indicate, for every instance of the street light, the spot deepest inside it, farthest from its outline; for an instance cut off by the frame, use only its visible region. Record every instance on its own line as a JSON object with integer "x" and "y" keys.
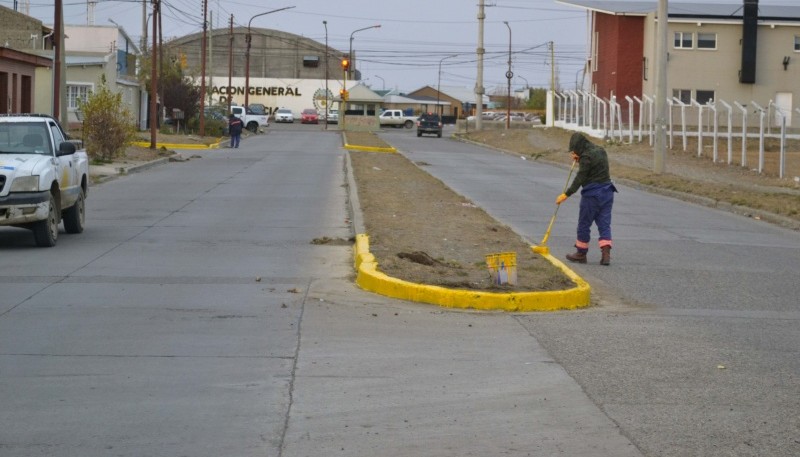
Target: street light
{"x": 439, "y": 85}
{"x": 350, "y": 55}
{"x": 327, "y": 108}
{"x": 509, "y": 75}
{"x": 249, "y": 38}
{"x": 383, "y": 82}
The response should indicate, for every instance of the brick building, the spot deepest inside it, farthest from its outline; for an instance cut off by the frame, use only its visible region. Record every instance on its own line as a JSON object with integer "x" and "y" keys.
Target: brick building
{"x": 737, "y": 51}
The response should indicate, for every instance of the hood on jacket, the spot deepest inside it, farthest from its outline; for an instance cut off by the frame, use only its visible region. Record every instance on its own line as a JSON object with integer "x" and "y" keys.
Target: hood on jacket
{"x": 578, "y": 143}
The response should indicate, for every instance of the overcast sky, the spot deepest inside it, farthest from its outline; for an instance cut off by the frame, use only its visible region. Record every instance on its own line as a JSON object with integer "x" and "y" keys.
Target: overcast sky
{"x": 406, "y": 51}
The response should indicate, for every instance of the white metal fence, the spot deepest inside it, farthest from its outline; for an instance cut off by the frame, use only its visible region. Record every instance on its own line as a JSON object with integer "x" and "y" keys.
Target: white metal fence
{"x": 705, "y": 124}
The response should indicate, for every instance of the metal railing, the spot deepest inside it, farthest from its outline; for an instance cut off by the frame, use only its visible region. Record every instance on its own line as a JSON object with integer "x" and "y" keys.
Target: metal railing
{"x": 713, "y": 121}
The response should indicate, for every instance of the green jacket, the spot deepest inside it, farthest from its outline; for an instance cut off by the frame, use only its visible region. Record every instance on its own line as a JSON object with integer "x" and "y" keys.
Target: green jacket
{"x": 592, "y": 166}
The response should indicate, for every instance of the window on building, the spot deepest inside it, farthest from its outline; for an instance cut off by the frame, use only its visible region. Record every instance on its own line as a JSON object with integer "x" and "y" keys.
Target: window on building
{"x": 704, "y": 96}
{"x": 684, "y": 95}
{"x": 684, "y": 40}
{"x": 77, "y": 92}
{"x": 797, "y": 42}
{"x": 706, "y": 41}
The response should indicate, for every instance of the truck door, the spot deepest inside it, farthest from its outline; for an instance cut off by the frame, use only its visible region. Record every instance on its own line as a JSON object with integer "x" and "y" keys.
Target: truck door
{"x": 67, "y": 171}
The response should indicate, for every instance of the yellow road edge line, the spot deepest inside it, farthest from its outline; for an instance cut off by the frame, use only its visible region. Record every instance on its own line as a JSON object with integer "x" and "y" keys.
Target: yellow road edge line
{"x": 369, "y": 148}
{"x": 146, "y": 144}
{"x": 369, "y": 278}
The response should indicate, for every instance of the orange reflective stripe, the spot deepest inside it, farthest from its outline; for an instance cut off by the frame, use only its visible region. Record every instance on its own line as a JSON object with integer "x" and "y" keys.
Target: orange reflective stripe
{"x": 581, "y": 244}
{"x": 603, "y": 243}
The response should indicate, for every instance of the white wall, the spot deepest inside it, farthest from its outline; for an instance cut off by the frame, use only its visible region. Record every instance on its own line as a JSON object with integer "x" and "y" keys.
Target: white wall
{"x": 295, "y": 94}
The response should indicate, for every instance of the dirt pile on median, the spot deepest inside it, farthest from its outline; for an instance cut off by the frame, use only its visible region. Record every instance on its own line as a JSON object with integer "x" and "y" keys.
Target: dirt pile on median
{"x": 421, "y": 231}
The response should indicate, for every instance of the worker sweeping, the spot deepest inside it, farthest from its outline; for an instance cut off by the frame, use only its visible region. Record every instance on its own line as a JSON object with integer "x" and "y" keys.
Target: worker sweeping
{"x": 597, "y": 197}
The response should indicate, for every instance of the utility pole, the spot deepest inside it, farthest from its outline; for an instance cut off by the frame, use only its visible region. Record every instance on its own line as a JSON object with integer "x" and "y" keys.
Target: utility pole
{"x": 509, "y": 75}
{"x": 660, "y": 144}
{"x": 553, "y": 67}
{"x": 144, "y": 25}
{"x": 58, "y": 64}
{"x": 230, "y": 65}
{"x": 210, "y": 53}
{"x": 327, "y": 108}
{"x": 204, "y": 47}
{"x": 479, "y": 91}
{"x": 161, "y": 97}
{"x": 153, "y": 78}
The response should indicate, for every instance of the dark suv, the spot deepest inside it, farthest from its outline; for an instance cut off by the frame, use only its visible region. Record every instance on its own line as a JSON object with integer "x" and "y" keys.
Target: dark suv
{"x": 429, "y": 123}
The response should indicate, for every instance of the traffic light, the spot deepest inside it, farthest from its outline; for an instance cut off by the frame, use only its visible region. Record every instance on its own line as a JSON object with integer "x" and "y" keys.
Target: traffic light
{"x": 343, "y": 94}
{"x": 345, "y": 64}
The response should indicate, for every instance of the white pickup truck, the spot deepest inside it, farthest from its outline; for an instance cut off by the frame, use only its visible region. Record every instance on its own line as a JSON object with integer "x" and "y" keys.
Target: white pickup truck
{"x": 396, "y": 118}
{"x": 44, "y": 178}
{"x": 252, "y": 122}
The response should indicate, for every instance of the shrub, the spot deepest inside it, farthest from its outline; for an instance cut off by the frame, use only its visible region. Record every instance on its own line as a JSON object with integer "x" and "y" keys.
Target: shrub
{"x": 213, "y": 127}
{"x": 108, "y": 124}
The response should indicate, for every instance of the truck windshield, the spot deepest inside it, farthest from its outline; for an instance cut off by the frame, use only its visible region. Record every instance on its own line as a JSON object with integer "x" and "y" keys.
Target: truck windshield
{"x": 24, "y": 138}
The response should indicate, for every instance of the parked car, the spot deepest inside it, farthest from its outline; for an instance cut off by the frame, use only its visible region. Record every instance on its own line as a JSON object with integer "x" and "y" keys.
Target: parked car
{"x": 309, "y": 116}
{"x": 396, "y": 118}
{"x": 332, "y": 117}
{"x": 429, "y": 123}
{"x": 257, "y": 108}
{"x": 252, "y": 122}
{"x": 284, "y": 115}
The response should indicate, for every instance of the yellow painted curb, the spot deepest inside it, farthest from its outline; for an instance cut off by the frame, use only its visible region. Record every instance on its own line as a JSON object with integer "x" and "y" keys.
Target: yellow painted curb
{"x": 146, "y": 144}
{"x": 368, "y": 148}
{"x": 369, "y": 278}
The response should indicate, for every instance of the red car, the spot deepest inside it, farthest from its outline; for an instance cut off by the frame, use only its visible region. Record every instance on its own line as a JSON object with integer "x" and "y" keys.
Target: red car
{"x": 309, "y": 116}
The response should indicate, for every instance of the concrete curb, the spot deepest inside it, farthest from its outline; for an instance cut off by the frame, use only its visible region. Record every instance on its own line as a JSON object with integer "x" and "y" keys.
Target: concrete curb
{"x": 143, "y": 166}
{"x": 369, "y": 278}
{"x": 368, "y": 148}
{"x": 355, "y": 147}
{"x": 146, "y": 144}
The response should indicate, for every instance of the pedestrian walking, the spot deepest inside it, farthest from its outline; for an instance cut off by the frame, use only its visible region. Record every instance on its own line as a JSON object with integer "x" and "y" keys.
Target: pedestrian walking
{"x": 235, "y": 128}
{"x": 597, "y": 197}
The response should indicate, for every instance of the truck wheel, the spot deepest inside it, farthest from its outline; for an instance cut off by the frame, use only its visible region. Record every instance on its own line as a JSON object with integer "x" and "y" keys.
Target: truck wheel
{"x": 75, "y": 216}
{"x": 253, "y": 127}
{"x": 409, "y": 124}
{"x": 46, "y": 232}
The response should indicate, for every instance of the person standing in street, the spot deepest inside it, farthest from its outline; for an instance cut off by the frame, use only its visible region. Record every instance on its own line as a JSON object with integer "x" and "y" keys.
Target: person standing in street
{"x": 235, "y": 129}
{"x": 597, "y": 197}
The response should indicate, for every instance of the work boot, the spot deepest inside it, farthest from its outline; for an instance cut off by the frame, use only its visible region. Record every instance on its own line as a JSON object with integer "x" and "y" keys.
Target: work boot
{"x": 606, "y": 255}
{"x": 578, "y": 257}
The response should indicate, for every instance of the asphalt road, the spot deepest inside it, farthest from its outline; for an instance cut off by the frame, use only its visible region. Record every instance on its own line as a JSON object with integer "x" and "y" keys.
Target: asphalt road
{"x": 194, "y": 317}
{"x": 694, "y": 347}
